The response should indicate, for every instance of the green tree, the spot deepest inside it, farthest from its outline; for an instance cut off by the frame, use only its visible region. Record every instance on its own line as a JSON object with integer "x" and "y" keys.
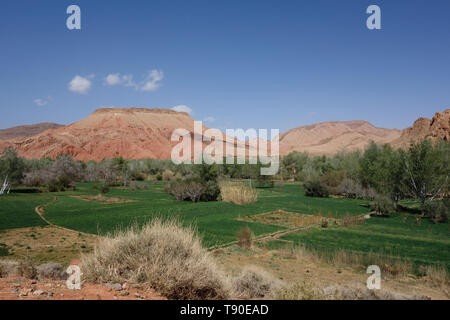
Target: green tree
{"x": 427, "y": 170}
{"x": 122, "y": 166}
{"x": 12, "y": 167}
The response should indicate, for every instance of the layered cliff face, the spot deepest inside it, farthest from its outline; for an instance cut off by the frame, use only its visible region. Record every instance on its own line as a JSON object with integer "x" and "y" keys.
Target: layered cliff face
{"x": 435, "y": 129}
{"x": 328, "y": 138}
{"x": 134, "y": 133}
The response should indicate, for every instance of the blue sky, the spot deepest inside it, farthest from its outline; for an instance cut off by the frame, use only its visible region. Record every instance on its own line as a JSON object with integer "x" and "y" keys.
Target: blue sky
{"x": 247, "y": 64}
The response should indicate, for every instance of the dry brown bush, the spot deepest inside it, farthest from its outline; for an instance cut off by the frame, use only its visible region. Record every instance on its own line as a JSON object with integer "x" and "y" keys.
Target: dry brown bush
{"x": 162, "y": 255}
{"x": 237, "y": 192}
{"x": 254, "y": 282}
{"x": 27, "y": 269}
{"x": 245, "y": 237}
{"x": 8, "y": 268}
{"x": 299, "y": 291}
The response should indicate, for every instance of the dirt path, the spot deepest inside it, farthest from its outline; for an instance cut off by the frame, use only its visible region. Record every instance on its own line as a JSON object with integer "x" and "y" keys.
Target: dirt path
{"x": 280, "y": 233}
{"x": 40, "y": 210}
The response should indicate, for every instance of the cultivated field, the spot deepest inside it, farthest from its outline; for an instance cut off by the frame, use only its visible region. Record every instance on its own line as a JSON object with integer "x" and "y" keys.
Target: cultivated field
{"x": 282, "y": 217}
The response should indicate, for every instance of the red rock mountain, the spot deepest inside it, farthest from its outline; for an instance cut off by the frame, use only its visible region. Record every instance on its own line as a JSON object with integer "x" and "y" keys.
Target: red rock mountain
{"x": 134, "y": 133}
{"x": 138, "y": 133}
{"x": 109, "y": 132}
{"x": 327, "y": 138}
{"x": 436, "y": 128}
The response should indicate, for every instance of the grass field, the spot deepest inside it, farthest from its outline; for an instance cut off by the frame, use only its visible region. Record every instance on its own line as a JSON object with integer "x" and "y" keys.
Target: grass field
{"x": 219, "y": 222}
{"x": 17, "y": 210}
{"x": 398, "y": 236}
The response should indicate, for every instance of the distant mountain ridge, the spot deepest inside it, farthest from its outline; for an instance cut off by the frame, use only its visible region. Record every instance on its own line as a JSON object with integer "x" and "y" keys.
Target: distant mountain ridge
{"x": 327, "y": 138}
{"x": 138, "y": 133}
{"x": 27, "y": 130}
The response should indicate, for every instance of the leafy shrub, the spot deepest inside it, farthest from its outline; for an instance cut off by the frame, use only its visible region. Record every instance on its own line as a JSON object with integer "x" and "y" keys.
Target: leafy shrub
{"x": 211, "y": 192}
{"x": 254, "y": 282}
{"x": 53, "y": 186}
{"x": 163, "y": 255}
{"x": 193, "y": 189}
{"x": 352, "y": 189}
{"x": 245, "y": 237}
{"x": 159, "y": 177}
{"x": 4, "y": 250}
{"x": 63, "y": 181}
{"x": 333, "y": 178}
{"x": 315, "y": 188}
{"x": 134, "y": 185}
{"x": 237, "y": 192}
{"x": 167, "y": 175}
{"x": 105, "y": 189}
{"x": 138, "y": 176}
{"x": 31, "y": 180}
{"x": 382, "y": 204}
{"x": 437, "y": 211}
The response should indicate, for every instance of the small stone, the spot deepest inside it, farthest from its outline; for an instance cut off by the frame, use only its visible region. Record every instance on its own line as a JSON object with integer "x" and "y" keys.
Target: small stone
{"x": 38, "y": 293}
{"x": 125, "y": 286}
{"x": 125, "y": 293}
{"x": 114, "y": 286}
{"x": 24, "y": 292}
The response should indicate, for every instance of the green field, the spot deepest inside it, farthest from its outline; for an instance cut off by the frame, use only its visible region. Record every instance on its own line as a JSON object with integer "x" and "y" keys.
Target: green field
{"x": 216, "y": 221}
{"x": 17, "y": 210}
{"x": 426, "y": 243}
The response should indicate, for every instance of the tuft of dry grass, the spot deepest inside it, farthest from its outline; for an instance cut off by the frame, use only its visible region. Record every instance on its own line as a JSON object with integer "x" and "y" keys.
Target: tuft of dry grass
{"x": 162, "y": 255}
{"x": 102, "y": 199}
{"x": 395, "y": 266}
{"x": 9, "y": 268}
{"x": 237, "y": 192}
{"x": 254, "y": 282}
{"x": 245, "y": 237}
{"x": 27, "y": 269}
{"x": 436, "y": 274}
{"x": 299, "y": 291}
{"x": 306, "y": 291}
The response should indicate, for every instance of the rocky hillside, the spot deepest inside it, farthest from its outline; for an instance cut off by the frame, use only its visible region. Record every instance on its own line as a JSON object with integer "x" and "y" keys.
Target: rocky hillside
{"x": 110, "y": 132}
{"x": 138, "y": 133}
{"x": 327, "y": 138}
{"x": 423, "y": 128}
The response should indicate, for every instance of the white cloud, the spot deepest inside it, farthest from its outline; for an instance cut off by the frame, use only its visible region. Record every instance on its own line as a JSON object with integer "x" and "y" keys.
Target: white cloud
{"x": 80, "y": 85}
{"x": 40, "y": 102}
{"x": 183, "y": 108}
{"x": 151, "y": 83}
{"x": 128, "y": 81}
{"x": 209, "y": 119}
{"x": 113, "y": 79}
